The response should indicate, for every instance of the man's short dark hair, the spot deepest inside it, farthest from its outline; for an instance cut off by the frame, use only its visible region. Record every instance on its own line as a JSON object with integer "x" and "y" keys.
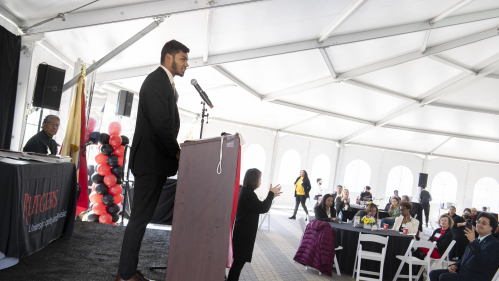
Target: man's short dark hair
{"x": 368, "y": 187}
{"x": 251, "y": 178}
{"x": 172, "y": 47}
{"x": 319, "y": 179}
{"x": 492, "y": 219}
{"x": 467, "y": 209}
{"x": 48, "y": 117}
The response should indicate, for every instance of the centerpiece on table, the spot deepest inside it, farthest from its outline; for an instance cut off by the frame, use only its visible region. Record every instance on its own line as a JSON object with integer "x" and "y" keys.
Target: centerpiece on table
{"x": 369, "y": 222}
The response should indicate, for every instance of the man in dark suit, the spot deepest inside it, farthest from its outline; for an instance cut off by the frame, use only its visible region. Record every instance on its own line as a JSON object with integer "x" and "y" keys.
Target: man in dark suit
{"x": 155, "y": 151}
{"x": 424, "y": 199}
{"x": 42, "y": 142}
{"x": 366, "y": 194}
{"x": 481, "y": 258}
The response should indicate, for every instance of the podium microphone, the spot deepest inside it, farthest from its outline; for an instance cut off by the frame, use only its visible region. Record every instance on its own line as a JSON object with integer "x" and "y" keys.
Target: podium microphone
{"x": 203, "y": 95}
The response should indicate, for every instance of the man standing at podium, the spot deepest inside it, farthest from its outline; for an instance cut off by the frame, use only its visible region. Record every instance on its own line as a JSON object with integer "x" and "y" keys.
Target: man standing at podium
{"x": 155, "y": 150}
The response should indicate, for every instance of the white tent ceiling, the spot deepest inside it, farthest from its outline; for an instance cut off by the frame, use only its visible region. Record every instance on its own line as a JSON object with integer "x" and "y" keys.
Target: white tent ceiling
{"x": 271, "y": 72}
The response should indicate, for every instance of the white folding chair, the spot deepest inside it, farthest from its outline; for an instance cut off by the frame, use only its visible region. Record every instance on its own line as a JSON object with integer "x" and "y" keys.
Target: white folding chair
{"x": 445, "y": 257}
{"x": 265, "y": 216}
{"x": 336, "y": 265}
{"x": 368, "y": 255}
{"x": 410, "y": 260}
{"x": 303, "y": 226}
{"x": 496, "y": 277}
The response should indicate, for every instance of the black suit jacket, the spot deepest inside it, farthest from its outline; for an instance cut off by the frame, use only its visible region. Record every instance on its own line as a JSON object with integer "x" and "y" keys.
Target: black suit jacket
{"x": 306, "y": 185}
{"x": 443, "y": 242}
{"x": 481, "y": 260}
{"x": 155, "y": 145}
{"x": 320, "y": 213}
{"x": 249, "y": 208}
{"x": 41, "y": 143}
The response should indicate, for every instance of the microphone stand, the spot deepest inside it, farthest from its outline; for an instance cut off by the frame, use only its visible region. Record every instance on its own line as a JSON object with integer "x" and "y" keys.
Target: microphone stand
{"x": 203, "y": 114}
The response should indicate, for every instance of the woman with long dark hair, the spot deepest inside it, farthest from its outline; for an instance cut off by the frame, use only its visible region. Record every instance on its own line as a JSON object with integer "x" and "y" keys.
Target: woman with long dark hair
{"x": 325, "y": 210}
{"x": 249, "y": 208}
{"x": 302, "y": 189}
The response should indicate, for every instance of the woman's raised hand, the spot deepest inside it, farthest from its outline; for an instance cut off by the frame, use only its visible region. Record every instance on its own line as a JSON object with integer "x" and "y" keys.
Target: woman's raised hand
{"x": 276, "y": 190}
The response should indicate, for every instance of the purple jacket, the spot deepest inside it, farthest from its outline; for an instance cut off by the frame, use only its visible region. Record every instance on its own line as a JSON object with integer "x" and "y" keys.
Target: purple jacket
{"x": 317, "y": 247}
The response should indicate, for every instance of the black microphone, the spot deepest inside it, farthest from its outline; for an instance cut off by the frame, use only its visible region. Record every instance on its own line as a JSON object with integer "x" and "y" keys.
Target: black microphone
{"x": 203, "y": 95}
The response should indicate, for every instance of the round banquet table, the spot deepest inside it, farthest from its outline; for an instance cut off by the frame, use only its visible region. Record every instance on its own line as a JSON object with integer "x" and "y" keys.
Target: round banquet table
{"x": 347, "y": 236}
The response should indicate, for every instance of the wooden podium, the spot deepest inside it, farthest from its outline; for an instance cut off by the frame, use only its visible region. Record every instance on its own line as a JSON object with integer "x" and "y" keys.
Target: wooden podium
{"x": 204, "y": 201}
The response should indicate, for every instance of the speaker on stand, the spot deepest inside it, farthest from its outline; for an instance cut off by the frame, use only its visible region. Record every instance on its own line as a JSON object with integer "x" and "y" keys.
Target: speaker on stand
{"x": 423, "y": 179}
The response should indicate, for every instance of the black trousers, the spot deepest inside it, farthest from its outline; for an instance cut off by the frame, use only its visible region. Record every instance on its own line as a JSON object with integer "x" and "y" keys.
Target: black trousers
{"x": 300, "y": 199}
{"x": 147, "y": 191}
{"x": 235, "y": 270}
{"x": 445, "y": 275}
{"x": 426, "y": 209}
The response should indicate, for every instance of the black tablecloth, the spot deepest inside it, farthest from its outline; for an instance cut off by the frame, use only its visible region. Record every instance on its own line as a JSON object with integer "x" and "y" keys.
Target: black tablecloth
{"x": 37, "y": 205}
{"x": 417, "y": 209}
{"x": 347, "y": 236}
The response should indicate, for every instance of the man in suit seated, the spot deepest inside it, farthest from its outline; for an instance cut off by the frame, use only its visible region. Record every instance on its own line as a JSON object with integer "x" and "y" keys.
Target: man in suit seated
{"x": 366, "y": 195}
{"x": 42, "y": 142}
{"x": 481, "y": 258}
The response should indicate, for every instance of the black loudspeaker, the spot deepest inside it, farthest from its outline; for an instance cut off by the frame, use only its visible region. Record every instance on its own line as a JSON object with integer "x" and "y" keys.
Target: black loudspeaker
{"x": 124, "y": 104}
{"x": 48, "y": 87}
{"x": 423, "y": 179}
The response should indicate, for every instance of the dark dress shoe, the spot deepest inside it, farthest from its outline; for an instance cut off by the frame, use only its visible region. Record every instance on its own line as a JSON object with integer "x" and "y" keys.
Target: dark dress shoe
{"x": 118, "y": 278}
{"x": 292, "y": 218}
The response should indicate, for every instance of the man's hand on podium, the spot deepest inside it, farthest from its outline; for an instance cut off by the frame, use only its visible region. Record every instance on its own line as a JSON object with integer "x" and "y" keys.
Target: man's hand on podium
{"x": 276, "y": 190}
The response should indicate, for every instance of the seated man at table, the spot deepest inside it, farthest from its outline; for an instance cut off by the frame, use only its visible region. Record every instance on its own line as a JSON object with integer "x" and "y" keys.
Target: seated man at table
{"x": 42, "y": 142}
{"x": 393, "y": 212}
{"x": 405, "y": 218}
{"x": 337, "y": 194}
{"x": 395, "y": 194}
{"x": 405, "y": 198}
{"x": 481, "y": 259}
{"x": 325, "y": 210}
{"x": 366, "y": 195}
{"x": 443, "y": 236}
{"x": 474, "y": 215}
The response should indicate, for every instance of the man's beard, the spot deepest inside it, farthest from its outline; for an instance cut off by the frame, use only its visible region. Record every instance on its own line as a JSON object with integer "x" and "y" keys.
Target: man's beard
{"x": 174, "y": 66}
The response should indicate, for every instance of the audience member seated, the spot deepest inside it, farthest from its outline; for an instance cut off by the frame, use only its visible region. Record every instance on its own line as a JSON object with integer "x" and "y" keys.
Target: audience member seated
{"x": 405, "y": 198}
{"x": 395, "y": 194}
{"x": 473, "y": 216}
{"x": 371, "y": 211}
{"x": 442, "y": 235}
{"x": 366, "y": 195}
{"x": 459, "y": 235}
{"x": 481, "y": 259}
{"x": 42, "y": 142}
{"x": 318, "y": 190}
{"x": 325, "y": 210}
{"x": 393, "y": 212}
{"x": 406, "y": 219}
{"x": 343, "y": 202}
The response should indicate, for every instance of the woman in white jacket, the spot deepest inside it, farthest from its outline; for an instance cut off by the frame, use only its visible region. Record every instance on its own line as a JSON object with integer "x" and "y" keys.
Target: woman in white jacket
{"x": 405, "y": 218}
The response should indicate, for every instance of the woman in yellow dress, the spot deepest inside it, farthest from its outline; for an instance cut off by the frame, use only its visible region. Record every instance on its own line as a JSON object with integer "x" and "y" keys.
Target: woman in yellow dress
{"x": 302, "y": 189}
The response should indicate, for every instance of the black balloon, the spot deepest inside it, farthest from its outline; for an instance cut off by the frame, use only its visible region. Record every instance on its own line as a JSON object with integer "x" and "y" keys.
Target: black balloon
{"x": 113, "y": 209}
{"x": 106, "y": 149}
{"x": 90, "y": 206}
{"x": 117, "y": 171}
{"x": 119, "y": 181}
{"x": 96, "y": 178}
{"x": 92, "y": 217}
{"x": 124, "y": 140}
{"x": 104, "y": 138}
{"x": 116, "y": 218}
{"x": 112, "y": 160}
{"x": 101, "y": 188}
{"x": 108, "y": 199}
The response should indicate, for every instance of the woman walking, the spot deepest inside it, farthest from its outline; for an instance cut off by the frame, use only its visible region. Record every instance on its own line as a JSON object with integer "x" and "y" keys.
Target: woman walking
{"x": 302, "y": 189}
{"x": 249, "y": 208}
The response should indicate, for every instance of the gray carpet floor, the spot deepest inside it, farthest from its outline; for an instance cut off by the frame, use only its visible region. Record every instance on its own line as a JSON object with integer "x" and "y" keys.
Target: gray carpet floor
{"x": 91, "y": 254}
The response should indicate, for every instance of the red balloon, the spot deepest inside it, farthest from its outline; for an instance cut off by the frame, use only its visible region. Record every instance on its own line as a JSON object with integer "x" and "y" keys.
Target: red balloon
{"x": 115, "y": 190}
{"x": 115, "y": 140}
{"x": 99, "y": 208}
{"x": 103, "y": 170}
{"x": 93, "y": 187}
{"x": 101, "y": 158}
{"x": 110, "y": 179}
{"x": 106, "y": 218}
{"x": 95, "y": 198}
{"x": 91, "y": 125}
{"x": 113, "y": 223}
{"x": 120, "y": 159}
{"x": 119, "y": 150}
{"x": 114, "y": 128}
{"x": 118, "y": 198}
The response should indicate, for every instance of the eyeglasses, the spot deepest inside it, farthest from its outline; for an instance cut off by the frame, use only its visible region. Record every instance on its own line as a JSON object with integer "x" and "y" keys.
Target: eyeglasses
{"x": 484, "y": 223}
{"x": 54, "y": 124}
